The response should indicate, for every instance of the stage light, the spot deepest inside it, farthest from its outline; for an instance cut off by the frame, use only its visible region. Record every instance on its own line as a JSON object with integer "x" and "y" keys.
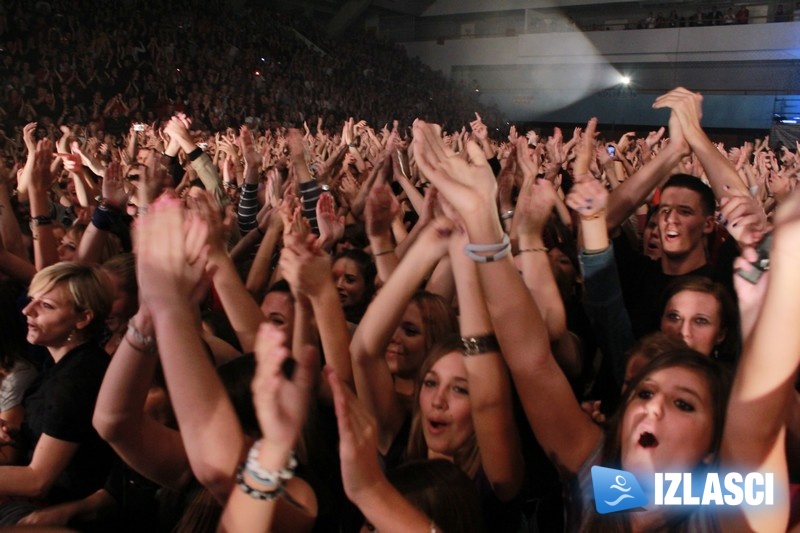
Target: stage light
{"x": 625, "y": 80}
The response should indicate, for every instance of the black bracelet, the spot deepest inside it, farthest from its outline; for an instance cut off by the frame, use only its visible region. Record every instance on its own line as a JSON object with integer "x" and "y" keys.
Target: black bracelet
{"x": 480, "y": 345}
{"x": 41, "y": 220}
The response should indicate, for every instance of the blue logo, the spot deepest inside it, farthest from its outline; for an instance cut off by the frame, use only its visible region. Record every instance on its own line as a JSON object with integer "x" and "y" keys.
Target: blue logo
{"x": 616, "y": 490}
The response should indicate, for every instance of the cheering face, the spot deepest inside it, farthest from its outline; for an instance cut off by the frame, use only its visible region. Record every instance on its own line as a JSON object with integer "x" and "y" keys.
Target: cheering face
{"x": 681, "y": 222}
{"x": 668, "y": 422}
{"x": 696, "y": 318}
{"x": 445, "y": 407}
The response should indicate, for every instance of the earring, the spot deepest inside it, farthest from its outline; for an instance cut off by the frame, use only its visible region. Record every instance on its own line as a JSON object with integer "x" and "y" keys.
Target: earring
{"x": 71, "y": 335}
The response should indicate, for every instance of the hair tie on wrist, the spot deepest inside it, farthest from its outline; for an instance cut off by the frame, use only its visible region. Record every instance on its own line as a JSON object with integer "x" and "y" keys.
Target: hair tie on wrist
{"x": 498, "y": 251}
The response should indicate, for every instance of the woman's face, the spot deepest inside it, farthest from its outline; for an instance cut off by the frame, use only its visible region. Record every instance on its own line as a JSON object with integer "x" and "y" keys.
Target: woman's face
{"x": 52, "y": 317}
{"x": 350, "y": 283}
{"x": 68, "y": 247}
{"x": 444, "y": 405}
{"x": 668, "y": 422}
{"x": 406, "y": 350}
{"x": 123, "y": 307}
{"x": 696, "y": 318}
{"x": 278, "y": 309}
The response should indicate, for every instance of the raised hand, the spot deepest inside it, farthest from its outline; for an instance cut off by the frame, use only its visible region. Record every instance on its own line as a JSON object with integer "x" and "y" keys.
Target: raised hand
{"x": 252, "y": 159}
{"x": 305, "y": 266}
{"x": 467, "y": 185}
{"x": 113, "y": 187}
{"x": 162, "y": 270}
{"x": 27, "y": 136}
{"x": 42, "y": 179}
{"x": 534, "y": 206}
{"x": 358, "y": 442}
{"x": 381, "y": 208}
{"x": 743, "y": 217}
{"x": 281, "y": 396}
{"x": 587, "y": 198}
{"x": 331, "y": 227}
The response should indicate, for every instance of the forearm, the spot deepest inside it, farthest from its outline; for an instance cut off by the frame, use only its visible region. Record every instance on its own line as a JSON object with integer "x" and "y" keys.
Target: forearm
{"x": 721, "y": 173}
{"x": 45, "y": 247}
{"x": 389, "y": 512}
{"x": 333, "y": 332}
{"x": 383, "y": 252}
{"x": 624, "y": 200}
{"x": 10, "y": 232}
{"x": 209, "y": 425}
{"x": 260, "y": 270}
{"x": 23, "y": 481}
{"x": 241, "y": 309}
{"x": 537, "y": 273}
{"x": 489, "y": 387}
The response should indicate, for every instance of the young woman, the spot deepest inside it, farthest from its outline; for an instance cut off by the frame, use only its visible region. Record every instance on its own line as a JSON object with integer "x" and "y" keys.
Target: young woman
{"x": 354, "y": 276}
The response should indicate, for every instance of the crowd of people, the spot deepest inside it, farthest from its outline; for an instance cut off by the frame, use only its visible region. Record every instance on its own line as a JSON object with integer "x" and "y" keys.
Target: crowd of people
{"x": 232, "y": 324}
{"x": 105, "y": 66}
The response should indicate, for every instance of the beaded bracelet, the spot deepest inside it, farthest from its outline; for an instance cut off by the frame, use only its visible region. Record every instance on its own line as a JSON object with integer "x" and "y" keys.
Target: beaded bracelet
{"x": 270, "y": 478}
{"x": 264, "y": 495}
{"x": 143, "y": 343}
{"x": 499, "y": 250}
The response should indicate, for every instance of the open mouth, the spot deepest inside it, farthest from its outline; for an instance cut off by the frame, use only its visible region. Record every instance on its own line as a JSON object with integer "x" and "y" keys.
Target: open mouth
{"x": 672, "y": 234}
{"x": 648, "y": 440}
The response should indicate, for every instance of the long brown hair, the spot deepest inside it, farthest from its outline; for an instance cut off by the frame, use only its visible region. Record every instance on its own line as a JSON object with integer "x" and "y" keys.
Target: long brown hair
{"x": 467, "y": 457}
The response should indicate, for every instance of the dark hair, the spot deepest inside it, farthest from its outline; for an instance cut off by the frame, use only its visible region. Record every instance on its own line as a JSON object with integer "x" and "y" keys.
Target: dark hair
{"x": 368, "y": 271}
{"x": 442, "y": 491}
{"x": 717, "y": 377}
{"x": 728, "y": 350}
{"x": 719, "y": 381}
{"x": 467, "y": 457}
{"x": 707, "y": 199}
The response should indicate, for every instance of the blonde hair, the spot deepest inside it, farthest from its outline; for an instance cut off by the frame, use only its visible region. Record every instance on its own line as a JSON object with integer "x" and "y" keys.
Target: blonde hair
{"x": 89, "y": 288}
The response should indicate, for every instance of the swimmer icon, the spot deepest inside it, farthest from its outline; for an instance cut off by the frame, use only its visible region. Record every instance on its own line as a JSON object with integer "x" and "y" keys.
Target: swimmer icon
{"x": 616, "y": 490}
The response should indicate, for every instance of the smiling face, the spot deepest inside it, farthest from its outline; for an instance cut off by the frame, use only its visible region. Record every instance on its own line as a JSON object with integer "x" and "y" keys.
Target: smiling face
{"x": 696, "y": 318}
{"x": 682, "y": 223}
{"x": 350, "y": 283}
{"x": 668, "y": 422}
{"x": 444, "y": 406}
{"x": 406, "y": 350}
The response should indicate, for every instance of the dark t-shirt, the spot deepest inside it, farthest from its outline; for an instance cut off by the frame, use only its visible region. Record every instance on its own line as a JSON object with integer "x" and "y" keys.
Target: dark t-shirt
{"x": 60, "y": 403}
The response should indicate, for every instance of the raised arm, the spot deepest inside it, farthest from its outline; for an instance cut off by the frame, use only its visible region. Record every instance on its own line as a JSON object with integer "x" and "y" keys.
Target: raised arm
{"x": 146, "y": 445}
{"x": 373, "y": 379}
{"x": 763, "y": 388}
{"x": 489, "y": 383}
{"x": 170, "y": 263}
{"x": 565, "y": 433}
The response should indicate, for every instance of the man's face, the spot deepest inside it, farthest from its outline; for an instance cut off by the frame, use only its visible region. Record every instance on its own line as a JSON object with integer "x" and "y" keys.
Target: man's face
{"x": 681, "y": 221}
